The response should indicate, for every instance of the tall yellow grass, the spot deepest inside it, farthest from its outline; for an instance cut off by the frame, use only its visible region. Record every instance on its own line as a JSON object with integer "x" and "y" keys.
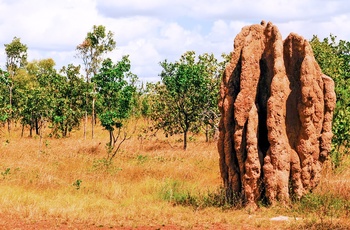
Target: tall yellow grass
{"x": 66, "y": 181}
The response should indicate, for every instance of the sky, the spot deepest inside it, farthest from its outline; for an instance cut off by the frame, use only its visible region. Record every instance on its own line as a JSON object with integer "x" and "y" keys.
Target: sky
{"x": 150, "y": 31}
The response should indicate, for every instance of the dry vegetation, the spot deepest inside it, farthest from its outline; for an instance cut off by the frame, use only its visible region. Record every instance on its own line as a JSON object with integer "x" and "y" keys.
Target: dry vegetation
{"x": 151, "y": 184}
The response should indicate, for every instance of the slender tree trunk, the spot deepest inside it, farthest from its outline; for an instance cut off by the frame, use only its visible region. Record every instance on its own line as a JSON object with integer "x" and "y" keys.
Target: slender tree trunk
{"x": 9, "y": 125}
{"x": 185, "y": 140}
{"x": 65, "y": 131}
{"x": 111, "y": 139}
{"x": 41, "y": 135}
{"x": 10, "y": 117}
{"x": 22, "y": 132}
{"x": 207, "y": 133}
{"x": 36, "y": 126}
{"x": 31, "y": 126}
{"x": 93, "y": 110}
{"x": 86, "y": 103}
{"x": 85, "y": 122}
{"x": 93, "y": 118}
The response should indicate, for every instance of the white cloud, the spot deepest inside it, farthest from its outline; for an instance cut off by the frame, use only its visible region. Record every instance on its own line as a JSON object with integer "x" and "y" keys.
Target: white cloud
{"x": 136, "y": 27}
{"x": 336, "y": 26}
{"x": 48, "y": 28}
{"x": 143, "y": 56}
{"x": 47, "y": 24}
{"x": 150, "y": 8}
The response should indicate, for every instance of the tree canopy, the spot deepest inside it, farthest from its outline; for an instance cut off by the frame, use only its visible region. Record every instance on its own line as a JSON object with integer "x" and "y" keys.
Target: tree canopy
{"x": 96, "y": 43}
{"x": 187, "y": 94}
{"x": 16, "y": 58}
{"x": 115, "y": 86}
{"x": 333, "y": 56}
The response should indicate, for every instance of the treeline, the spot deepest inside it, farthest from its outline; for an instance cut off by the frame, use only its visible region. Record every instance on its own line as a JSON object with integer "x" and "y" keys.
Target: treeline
{"x": 184, "y": 101}
{"x": 34, "y": 94}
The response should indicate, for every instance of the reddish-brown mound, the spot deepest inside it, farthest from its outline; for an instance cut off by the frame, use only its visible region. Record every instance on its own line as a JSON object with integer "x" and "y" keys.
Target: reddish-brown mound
{"x": 276, "y": 116}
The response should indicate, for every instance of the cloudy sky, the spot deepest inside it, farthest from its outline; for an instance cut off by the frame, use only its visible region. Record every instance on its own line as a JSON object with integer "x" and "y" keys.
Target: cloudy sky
{"x": 151, "y": 31}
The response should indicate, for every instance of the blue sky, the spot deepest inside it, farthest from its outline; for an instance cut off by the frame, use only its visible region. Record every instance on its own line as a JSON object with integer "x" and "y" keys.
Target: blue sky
{"x": 151, "y": 31}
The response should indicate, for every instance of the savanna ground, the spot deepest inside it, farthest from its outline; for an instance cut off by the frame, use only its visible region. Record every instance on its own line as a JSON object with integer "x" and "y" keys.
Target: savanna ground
{"x": 151, "y": 184}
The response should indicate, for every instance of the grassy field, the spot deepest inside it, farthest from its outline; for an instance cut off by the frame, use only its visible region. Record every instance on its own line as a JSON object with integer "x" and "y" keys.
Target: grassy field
{"x": 151, "y": 184}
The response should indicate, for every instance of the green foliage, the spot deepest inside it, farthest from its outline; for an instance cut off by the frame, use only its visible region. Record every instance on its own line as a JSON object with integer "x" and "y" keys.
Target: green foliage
{"x": 214, "y": 71}
{"x": 16, "y": 58}
{"x": 39, "y": 94}
{"x": 71, "y": 102}
{"x": 35, "y": 93}
{"x": 4, "y": 96}
{"x": 77, "y": 184}
{"x": 186, "y": 99}
{"x": 175, "y": 192}
{"x": 115, "y": 93}
{"x": 91, "y": 51}
{"x": 142, "y": 102}
{"x": 6, "y": 173}
{"x": 105, "y": 164}
{"x": 43, "y": 95}
{"x": 142, "y": 159}
{"x": 334, "y": 59}
{"x": 115, "y": 86}
{"x": 327, "y": 205}
{"x": 16, "y": 54}
{"x": 96, "y": 43}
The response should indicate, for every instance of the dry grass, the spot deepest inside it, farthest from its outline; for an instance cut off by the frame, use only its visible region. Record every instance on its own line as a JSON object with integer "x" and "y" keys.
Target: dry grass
{"x": 66, "y": 182}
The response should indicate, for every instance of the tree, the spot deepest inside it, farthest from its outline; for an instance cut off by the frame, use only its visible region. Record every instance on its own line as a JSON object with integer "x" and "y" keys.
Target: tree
{"x": 334, "y": 59}
{"x": 91, "y": 51}
{"x": 115, "y": 86}
{"x": 183, "y": 96}
{"x": 43, "y": 95}
{"x": 4, "y": 101}
{"x": 213, "y": 71}
{"x": 25, "y": 84}
{"x": 70, "y": 103}
{"x": 40, "y": 94}
{"x": 16, "y": 58}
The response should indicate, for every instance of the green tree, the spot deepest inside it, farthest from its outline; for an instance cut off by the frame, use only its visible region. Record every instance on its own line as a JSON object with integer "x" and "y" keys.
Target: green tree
{"x": 142, "y": 107}
{"x": 184, "y": 98}
{"x": 115, "y": 86}
{"x": 69, "y": 104}
{"x": 16, "y": 58}
{"x": 4, "y": 99}
{"x": 96, "y": 43}
{"x": 25, "y": 84}
{"x": 213, "y": 71}
{"x": 40, "y": 94}
{"x": 334, "y": 59}
{"x": 59, "y": 98}
{"x": 47, "y": 96}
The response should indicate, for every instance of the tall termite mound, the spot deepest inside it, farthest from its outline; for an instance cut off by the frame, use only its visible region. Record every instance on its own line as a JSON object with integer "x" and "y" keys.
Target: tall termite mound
{"x": 276, "y": 117}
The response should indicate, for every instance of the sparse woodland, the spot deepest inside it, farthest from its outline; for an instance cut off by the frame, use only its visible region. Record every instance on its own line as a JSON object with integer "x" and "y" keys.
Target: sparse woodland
{"x": 92, "y": 146}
